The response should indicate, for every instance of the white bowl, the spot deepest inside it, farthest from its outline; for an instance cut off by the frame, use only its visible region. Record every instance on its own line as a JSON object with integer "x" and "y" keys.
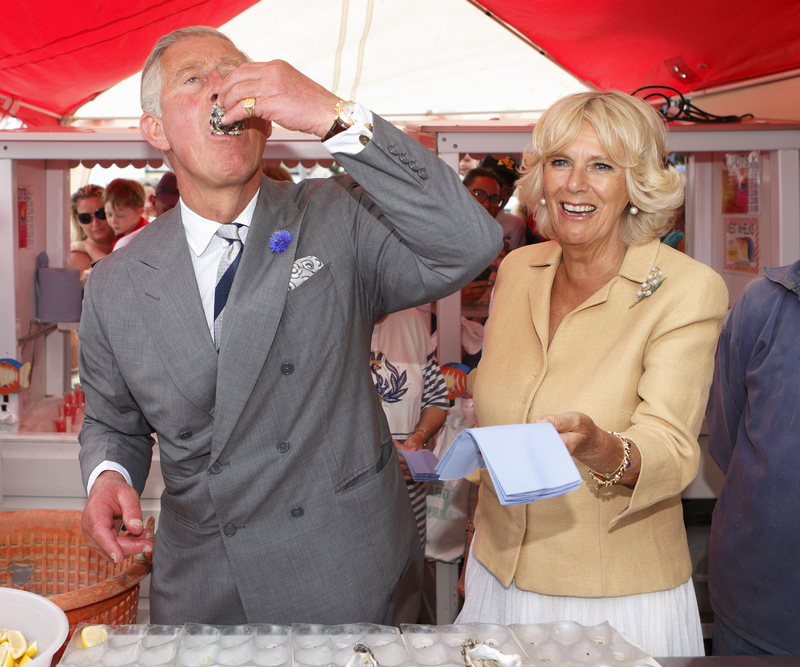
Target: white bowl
{"x": 37, "y": 618}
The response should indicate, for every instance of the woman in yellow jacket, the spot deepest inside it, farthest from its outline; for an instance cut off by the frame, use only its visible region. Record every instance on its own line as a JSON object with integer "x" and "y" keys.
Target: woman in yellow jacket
{"x": 609, "y": 335}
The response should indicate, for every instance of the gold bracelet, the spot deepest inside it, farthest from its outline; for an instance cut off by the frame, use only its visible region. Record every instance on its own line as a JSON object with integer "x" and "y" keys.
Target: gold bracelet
{"x": 427, "y": 433}
{"x": 606, "y": 479}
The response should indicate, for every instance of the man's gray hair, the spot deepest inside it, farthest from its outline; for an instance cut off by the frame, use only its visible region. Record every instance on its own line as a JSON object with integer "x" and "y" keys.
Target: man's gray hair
{"x": 152, "y": 75}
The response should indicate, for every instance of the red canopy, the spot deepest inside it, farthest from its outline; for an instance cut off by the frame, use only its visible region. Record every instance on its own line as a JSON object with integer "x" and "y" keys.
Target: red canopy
{"x": 63, "y": 54}
{"x": 686, "y": 44}
{"x": 57, "y": 55}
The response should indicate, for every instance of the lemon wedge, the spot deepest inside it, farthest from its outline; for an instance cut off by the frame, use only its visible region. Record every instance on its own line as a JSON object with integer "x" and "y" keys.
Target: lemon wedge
{"x": 32, "y": 649}
{"x": 92, "y": 635}
{"x": 17, "y": 644}
{"x": 6, "y": 659}
{"x": 3, "y": 633}
{"x": 24, "y": 660}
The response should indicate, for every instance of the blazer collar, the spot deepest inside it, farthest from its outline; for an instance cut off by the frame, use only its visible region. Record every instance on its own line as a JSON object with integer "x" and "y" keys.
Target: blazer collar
{"x": 165, "y": 283}
{"x": 636, "y": 266}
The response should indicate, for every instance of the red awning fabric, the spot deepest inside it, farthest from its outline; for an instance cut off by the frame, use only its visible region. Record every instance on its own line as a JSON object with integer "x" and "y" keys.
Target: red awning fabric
{"x": 689, "y": 45}
{"x": 56, "y": 55}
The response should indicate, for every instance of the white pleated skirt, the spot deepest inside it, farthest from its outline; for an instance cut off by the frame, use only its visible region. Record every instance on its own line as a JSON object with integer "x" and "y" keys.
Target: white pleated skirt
{"x": 664, "y": 624}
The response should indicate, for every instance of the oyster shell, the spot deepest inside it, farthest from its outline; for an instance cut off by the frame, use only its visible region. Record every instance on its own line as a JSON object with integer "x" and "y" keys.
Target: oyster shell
{"x": 362, "y": 657}
{"x": 481, "y": 655}
{"x": 217, "y": 112}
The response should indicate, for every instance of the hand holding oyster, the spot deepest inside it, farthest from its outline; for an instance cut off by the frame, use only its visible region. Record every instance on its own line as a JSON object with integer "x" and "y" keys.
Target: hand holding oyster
{"x": 217, "y": 113}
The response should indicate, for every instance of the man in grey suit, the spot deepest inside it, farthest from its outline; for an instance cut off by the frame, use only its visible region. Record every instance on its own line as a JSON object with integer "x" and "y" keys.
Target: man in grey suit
{"x": 284, "y": 500}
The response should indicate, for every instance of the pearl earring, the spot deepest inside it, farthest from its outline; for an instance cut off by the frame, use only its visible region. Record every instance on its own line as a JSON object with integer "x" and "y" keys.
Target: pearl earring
{"x": 542, "y": 201}
{"x": 634, "y": 210}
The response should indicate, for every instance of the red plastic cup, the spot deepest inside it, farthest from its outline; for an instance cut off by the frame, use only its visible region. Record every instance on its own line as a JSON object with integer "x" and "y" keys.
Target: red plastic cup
{"x": 60, "y": 424}
{"x": 69, "y": 399}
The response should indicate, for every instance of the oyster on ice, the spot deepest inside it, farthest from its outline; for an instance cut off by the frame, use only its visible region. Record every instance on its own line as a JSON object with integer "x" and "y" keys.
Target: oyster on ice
{"x": 481, "y": 655}
{"x": 217, "y": 112}
{"x": 362, "y": 657}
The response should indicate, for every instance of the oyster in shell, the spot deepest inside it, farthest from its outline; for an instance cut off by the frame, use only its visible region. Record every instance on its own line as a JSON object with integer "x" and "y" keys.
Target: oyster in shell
{"x": 362, "y": 657}
{"x": 481, "y": 655}
{"x": 217, "y": 112}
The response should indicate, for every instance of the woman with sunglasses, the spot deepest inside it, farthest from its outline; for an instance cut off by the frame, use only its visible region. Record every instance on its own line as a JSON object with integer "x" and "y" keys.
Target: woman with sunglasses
{"x": 94, "y": 237}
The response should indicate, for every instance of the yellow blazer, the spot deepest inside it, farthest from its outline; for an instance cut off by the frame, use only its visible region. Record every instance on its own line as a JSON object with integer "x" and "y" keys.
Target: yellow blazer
{"x": 644, "y": 371}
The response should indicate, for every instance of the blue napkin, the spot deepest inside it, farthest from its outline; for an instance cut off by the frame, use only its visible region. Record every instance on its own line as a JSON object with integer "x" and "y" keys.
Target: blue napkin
{"x": 525, "y": 461}
{"x": 421, "y": 465}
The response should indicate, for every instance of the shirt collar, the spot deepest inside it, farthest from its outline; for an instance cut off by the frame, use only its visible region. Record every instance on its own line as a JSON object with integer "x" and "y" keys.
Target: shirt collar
{"x": 200, "y": 230}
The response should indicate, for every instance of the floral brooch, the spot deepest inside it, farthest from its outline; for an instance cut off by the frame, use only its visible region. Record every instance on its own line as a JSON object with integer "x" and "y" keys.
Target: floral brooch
{"x": 280, "y": 240}
{"x": 652, "y": 283}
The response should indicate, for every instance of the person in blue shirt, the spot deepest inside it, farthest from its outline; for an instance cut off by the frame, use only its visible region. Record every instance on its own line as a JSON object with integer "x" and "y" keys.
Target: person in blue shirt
{"x": 754, "y": 436}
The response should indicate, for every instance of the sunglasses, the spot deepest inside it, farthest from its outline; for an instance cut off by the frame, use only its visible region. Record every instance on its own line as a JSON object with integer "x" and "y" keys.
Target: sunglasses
{"x": 482, "y": 196}
{"x": 86, "y": 218}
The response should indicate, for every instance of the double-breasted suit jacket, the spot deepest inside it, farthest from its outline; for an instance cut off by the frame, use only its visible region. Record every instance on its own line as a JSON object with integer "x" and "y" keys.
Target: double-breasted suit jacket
{"x": 282, "y": 484}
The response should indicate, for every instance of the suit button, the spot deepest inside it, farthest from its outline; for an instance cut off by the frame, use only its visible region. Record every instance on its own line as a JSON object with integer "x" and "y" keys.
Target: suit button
{"x": 287, "y": 368}
{"x": 392, "y": 150}
{"x": 403, "y": 158}
{"x": 423, "y": 174}
{"x": 412, "y": 165}
{"x": 216, "y": 468}
{"x": 297, "y": 512}
{"x": 283, "y": 446}
{"x": 364, "y": 139}
{"x": 185, "y": 434}
{"x": 229, "y": 529}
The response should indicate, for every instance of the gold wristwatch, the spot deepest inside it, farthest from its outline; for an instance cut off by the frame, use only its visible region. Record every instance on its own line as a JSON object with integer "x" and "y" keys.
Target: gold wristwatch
{"x": 344, "y": 119}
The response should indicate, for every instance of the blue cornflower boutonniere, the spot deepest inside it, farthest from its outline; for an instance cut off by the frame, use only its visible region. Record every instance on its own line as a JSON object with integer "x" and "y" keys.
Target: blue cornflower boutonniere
{"x": 280, "y": 240}
{"x": 652, "y": 283}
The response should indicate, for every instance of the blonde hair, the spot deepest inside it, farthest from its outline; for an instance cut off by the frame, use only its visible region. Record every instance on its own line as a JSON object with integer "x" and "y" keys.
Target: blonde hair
{"x": 633, "y": 135}
{"x": 86, "y": 192}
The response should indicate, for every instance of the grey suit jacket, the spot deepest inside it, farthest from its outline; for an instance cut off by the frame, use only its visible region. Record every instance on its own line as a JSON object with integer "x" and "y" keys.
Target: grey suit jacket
{"x": 284, "y": 500}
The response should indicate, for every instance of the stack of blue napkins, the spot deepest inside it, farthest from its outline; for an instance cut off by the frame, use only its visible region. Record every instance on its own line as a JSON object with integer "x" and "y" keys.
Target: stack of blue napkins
{"x": 421, "y": 465}
{"x": 526, "y": 461}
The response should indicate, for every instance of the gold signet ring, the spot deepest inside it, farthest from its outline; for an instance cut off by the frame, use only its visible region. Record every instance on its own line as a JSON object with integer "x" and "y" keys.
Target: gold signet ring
{"x": 249, "y": 103}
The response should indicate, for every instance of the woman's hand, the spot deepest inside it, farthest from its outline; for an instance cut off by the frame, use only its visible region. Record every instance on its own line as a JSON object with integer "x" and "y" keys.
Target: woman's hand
{"x": 413, "y": 443}
{"x": 595, "y": 448}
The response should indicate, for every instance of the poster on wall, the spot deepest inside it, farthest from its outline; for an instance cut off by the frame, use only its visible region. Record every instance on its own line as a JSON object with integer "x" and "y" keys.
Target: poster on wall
{"x": 741, "y": 183}
{"x": 740, "y": 243}
{"x": 25, "y": 216}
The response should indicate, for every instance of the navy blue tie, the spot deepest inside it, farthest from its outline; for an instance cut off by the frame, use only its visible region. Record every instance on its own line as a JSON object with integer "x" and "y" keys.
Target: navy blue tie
{"x": 225, "y": 274}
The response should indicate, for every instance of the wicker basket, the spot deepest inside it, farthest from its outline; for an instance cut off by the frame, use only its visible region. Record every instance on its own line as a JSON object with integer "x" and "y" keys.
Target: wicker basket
{"x": 42, "y": 551}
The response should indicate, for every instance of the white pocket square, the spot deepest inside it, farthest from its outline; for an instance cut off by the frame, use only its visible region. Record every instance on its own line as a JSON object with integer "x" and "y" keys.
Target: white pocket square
{"x": 303, "y": 269}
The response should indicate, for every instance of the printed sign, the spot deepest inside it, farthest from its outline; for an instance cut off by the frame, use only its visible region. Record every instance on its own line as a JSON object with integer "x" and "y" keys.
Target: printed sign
{"x": 740, "y": 241}
{"x": 741, "y": 183}
{"x": 25, "y": 216}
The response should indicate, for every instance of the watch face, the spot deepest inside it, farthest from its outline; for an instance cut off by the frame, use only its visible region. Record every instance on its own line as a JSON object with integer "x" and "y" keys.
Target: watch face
{"x": 346, "y": 110}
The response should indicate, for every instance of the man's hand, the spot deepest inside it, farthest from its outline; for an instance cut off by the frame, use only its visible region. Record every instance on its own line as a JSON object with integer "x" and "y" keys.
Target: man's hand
{"x": 112, "y": 503}
{"x": 282, "y": 95}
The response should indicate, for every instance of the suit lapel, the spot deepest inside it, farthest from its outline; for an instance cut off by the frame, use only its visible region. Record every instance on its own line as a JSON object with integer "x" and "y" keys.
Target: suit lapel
{"x": 254, "y": 308}
{"x": 165, "y": 283}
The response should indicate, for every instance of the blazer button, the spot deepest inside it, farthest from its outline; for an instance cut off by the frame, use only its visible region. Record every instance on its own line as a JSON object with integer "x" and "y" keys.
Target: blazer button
{"x": 423, "y": 174}
{"x": 392, "y": 150}
{"x": 297, "y": 512}
{"x": 287, "y": 368}
{"x": 229, "y": 530}
{"x": 412, "y": 165}
{"x": 185, "y": 434}
{"x": 216, "y": 468}
{"x": 403, "y": 158}
{"x": 283, "y": 446}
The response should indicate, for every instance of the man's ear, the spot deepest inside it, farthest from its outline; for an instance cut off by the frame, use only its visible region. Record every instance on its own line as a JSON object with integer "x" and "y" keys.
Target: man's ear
{"x": 152, "y": 129}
